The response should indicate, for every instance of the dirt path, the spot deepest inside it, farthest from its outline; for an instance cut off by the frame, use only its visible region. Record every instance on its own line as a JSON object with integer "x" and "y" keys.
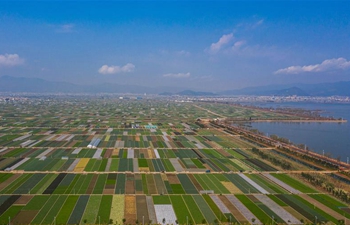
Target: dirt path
{"x": 211, "y": 112}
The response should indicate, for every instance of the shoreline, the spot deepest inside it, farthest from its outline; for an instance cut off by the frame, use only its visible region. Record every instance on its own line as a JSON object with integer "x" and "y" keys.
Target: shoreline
{"x": 273, "y": 143}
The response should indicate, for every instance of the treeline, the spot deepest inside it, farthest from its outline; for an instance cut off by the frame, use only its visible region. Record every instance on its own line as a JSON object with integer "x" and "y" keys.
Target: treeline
{"x": 248, "y": 136}
{"x": 282, "y": 163}
{"x": 310, "y": 158}
{"x": 280, "y": 139}
{"x": 328, "y": 186}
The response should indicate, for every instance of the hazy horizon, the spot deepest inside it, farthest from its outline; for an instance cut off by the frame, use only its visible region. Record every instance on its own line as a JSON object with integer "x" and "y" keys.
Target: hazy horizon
{"x": 206, "y": 46}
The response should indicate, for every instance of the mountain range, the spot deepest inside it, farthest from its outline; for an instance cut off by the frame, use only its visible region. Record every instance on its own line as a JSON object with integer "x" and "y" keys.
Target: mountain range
{"x": 37, "y": 85}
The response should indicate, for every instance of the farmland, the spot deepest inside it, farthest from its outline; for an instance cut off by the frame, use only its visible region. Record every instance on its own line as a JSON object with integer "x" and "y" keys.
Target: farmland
{"x": 157, "y": 162}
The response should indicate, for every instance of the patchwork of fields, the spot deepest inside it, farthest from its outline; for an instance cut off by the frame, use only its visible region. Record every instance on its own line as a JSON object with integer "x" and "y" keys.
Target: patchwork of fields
{"x": 154, "y": 164}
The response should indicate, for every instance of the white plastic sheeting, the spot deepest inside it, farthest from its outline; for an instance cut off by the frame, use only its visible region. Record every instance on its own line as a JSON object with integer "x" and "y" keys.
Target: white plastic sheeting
{"x": 165, "y": 212}
{"x": 243, "y": 209}
{"x": 282, "y": 213}
{"x": 251, "y": 182}
{"x": 282, "y": 184}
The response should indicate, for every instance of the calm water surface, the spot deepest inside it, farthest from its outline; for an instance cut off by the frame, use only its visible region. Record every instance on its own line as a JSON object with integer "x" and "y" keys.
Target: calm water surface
{"x": 333, "y": 138}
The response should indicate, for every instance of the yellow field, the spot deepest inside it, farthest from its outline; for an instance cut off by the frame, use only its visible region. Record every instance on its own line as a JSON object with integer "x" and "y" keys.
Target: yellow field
{"x": 81, "y": 165}
{"x": 117, "y": 210}
{"x": 107, "y": 137}
{"x": 115, "y": 151}
{"x": 150, "y": 153}
{"x": 143, "y": 169}
{"x": 164, "y": 177}
{"x": 130, "y": 204}
{"x": 231, "y": 187}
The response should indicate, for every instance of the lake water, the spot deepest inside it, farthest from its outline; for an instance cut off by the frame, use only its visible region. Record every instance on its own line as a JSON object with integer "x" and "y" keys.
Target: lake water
{"x": 333, "y": 138}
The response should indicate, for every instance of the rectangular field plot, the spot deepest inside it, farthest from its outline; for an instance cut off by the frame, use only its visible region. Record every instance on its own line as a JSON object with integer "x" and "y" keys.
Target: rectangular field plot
{"x": 153, "y": 160}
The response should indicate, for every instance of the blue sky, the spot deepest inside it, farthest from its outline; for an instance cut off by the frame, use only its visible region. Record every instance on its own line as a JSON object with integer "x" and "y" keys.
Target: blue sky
{"x": 210, "y": 45}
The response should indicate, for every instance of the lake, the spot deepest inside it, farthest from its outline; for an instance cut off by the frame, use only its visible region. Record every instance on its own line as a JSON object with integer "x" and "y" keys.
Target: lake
{"x": 333, "y": 138}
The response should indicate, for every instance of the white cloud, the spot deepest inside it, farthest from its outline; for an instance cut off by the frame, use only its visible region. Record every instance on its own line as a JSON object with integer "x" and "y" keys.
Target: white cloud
{"x": 127, "y": 68}
{"x": 10, "y": 60}
{"x": 65, "y": 28}
{"x": 226, "y": 38}
{"x": 177, "y": 75}
{"x": 259, "y": 22}
{"x": 238, "y": 44}
{"x": 183, "y": 53}
{"x": 326, "y": 65}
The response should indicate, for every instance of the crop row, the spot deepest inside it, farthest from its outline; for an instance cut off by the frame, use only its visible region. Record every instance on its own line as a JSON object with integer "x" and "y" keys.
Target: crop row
{"x": 155, "y": 160}
{"x": 182, "y": 209}
{"x": 119, "y": 183}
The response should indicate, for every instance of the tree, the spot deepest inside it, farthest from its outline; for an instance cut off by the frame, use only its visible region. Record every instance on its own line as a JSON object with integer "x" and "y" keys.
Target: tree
{"x": 204, "y": 221}
{"x": 110, "y": 221}
{"x": 124, "y": 220}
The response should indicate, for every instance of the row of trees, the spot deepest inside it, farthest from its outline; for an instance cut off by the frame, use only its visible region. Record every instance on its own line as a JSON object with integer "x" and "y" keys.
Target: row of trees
{"x": 320, "y": 181}
{"x": 309, "y": 158}
{"x": 282, "y": 163}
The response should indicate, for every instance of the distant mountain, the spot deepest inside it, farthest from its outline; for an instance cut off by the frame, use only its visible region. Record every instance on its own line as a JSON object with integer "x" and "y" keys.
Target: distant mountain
{"x": 188, "y": 93}
{"x": 166, "y": 94}
{"x": 323, "y": 89}
{"x": 258, "y": 90}
{"x": 195, "y": 93}
{"x": 328, "y": 89}
{"x": 290, "y": 91}
{"x": 37, "y": 85}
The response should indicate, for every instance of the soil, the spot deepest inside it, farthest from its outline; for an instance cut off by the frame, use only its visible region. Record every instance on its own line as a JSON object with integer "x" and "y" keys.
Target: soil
{"x": 142, "y": 210}
{"x": 92, "y": 184}
{"x": 172, "y": 178}
{"x": 24, "y": 217}
{"x": 235, "y": 212}
{"x": 130, "y": 209}
{"x": 23, "y": 200}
